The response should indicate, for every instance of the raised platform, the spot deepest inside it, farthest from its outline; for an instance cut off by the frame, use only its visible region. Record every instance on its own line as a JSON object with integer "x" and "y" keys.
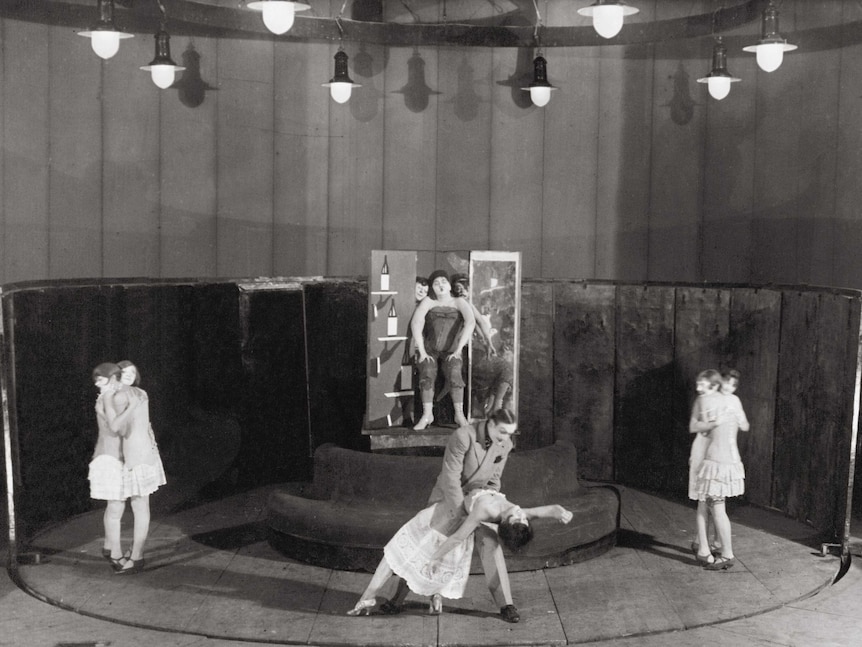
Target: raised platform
{"x": 358, "y": 500}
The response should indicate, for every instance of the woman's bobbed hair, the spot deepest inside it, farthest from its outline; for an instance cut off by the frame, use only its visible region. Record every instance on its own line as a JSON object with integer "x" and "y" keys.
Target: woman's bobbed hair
{"x": 515, "y": 535}
{"x": 124, "y": 364}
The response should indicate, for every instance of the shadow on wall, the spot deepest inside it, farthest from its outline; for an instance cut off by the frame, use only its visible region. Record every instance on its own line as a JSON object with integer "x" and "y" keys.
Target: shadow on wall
{"x": 652, "y": 441}
{"x": 201, "y": 450}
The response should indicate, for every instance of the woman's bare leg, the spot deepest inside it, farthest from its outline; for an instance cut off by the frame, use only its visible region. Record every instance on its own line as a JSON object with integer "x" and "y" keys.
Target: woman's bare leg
{"x": 141, "y": 509}
{"x": 427, "y": 410}
{"x": 702, "y": 519}
{"x": 368, "y": 599}
{"x": 458, "y": 403}
{"x": 722, "y": 524}
{"x": 112, "y": 520}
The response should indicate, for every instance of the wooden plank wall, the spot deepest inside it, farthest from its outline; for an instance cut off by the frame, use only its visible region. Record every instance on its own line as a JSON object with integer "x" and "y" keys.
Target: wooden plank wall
{"x": 752, "y": 349}
{"x": 247, "y": 168}
{"x": 812, "y": 406}
{"x": 794, "y": 348}
{"x": 536, "y": 366}
{"x": 584, "y": 361}
{"x": 646, "y": 381}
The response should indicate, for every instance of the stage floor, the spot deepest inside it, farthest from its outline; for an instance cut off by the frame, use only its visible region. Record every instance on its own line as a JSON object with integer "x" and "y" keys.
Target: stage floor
{"x": 210, "y": 572}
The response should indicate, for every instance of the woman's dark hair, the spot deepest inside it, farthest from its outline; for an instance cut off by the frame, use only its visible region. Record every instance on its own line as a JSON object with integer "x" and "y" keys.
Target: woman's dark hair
{"x": 127, "y": 364}
{"x": 731, "y": 373}
{"x": 106, "y": 369}
{"x": 421, "y": 280}
{"x": 503, "y": 417}
{"x": 435, "y": 275}
{"x": 515, "y": 535}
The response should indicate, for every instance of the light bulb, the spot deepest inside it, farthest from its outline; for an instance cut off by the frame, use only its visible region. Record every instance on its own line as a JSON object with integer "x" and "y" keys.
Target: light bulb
{"x": 340, "y": 92}
{"x": 163, "y": 75}
{"x": 769, "y": 56}
{"x": 718, "y": 86}
{"x": 278, "y": 16}
{"x": 607, "y": 20}
{"x": 540, "y": 95}
{"x": 105, "y": 43}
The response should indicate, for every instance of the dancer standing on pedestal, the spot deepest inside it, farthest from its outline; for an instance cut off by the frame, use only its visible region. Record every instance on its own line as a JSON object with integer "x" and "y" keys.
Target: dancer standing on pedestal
{"x": 493, "y": 372}
{"x": 441, "y": 327}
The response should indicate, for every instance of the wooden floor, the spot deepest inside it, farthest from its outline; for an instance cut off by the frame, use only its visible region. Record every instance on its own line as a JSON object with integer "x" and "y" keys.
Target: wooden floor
{"x": 210, "y": 572}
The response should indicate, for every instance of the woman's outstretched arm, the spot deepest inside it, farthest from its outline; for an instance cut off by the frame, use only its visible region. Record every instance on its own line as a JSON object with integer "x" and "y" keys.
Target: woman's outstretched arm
{"x": 554, "y": 511}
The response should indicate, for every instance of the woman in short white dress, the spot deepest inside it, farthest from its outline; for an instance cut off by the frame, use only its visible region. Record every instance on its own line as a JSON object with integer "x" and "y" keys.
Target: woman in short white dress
{"x": 435, "y": 562}
{"x": 106, "y": 468}
{"x": 128, "y": 413}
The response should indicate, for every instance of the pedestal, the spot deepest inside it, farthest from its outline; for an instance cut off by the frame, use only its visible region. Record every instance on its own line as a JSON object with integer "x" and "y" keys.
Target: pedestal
{"x": 430, "y": 441}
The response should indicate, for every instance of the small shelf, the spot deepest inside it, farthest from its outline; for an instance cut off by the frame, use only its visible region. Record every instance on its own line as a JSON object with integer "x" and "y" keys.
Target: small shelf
{"x": 391, "y": 338}
{"x": 397, "y": 394}
{"x": 387, "y": 292}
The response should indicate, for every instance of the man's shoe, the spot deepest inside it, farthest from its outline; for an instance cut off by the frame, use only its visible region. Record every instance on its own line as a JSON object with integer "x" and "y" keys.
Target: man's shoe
{"x": 510, "y": 613}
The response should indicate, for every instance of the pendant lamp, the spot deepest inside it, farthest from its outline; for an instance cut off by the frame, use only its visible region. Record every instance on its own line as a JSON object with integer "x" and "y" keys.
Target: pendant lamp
{"x": 719, "y": 79}
{"x": 341, "y": 85}
{"x": 608, "y": 16}
{"x": 104, "y": 36}
{"x": 771, "y": 47}
{"x": 278, "y": 15}
{"x": 540, "y": 89}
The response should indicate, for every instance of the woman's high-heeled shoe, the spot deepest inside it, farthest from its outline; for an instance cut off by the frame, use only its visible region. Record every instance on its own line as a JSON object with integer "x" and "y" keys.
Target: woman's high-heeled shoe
{"x": 704, "y": 560}
{"x": 137, "y": 565}
{"x": 363, "y": 607}
{"x": 721, "y": 564}
{"x": 435, "y": 606}
{"x": 117, "y": 563}
{"x": 423, "y": 423}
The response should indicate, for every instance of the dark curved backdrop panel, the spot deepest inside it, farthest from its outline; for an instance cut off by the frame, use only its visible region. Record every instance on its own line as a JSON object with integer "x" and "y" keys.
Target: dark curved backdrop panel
{"x": 247, "y": 378}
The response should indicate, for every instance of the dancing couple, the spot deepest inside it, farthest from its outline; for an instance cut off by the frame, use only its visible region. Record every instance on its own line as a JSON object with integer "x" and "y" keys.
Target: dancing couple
{"x": 716, "y": 471}
{"x": 431, "y": 553}
{"x": 126, "y": 465}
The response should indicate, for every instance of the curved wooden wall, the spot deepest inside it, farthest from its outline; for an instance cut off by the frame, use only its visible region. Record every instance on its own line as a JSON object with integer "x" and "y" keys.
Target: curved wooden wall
{"x": 246, "y": 378}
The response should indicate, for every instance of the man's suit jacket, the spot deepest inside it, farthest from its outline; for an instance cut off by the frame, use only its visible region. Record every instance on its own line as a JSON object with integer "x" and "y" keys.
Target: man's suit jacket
{"x": 467, "y": 465}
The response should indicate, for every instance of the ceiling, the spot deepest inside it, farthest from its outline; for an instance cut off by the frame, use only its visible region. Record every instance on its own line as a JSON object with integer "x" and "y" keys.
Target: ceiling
{"x": 474, "y": 23}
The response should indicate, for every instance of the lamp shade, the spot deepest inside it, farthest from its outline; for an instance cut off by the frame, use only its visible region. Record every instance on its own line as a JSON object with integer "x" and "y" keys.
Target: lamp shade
{"x": 540, "y": 89}
{"x": 608, "y": 16}
{"x": 162, "y": 68}
{"x": 771, "y": 46}
{"x": 278, "y": 15}
{"x": 104, "y": 36}
{"x": 341, "y": 85}
{"x": 719, "y": 79}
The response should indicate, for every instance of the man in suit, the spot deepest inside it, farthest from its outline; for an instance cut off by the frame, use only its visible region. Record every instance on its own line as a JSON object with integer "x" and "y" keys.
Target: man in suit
{"x": 474, "y": 458}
